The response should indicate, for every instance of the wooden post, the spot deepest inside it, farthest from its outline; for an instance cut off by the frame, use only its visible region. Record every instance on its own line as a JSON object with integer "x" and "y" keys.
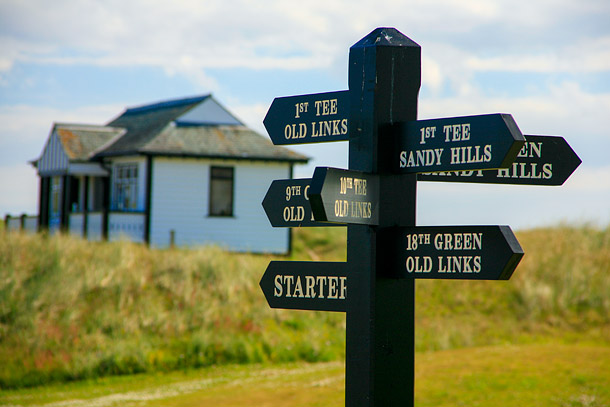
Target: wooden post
{"x": 43, "y": 204}
{"x": 65, "y": 203}
{"x": 148, "y": 203}
{"x": 86, "y": 207}
{"x": 384, "y": 81}
{"x": 172, "y": 238}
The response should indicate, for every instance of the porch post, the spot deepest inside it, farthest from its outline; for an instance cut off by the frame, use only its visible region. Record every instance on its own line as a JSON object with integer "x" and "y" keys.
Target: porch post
{"x": 86, "y": 207}
{"x": 43, "y": 204}
{"x": 147, "y": 212}
{"x": 65, "y": 205}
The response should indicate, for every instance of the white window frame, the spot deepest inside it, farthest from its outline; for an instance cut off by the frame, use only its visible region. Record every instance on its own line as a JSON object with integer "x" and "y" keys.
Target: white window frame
{"x": 125, "y": 187}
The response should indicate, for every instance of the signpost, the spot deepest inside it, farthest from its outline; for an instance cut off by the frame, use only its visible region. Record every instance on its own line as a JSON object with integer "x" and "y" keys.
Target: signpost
{"x": 543, "y": 160}
{"x": 389, "y": 151}
{"x": 458, "y": 143}
{"x": 344, "y": 196}
{"x": 287, "y": 204}
{"x": 312, "y": 118}
{"x": 315, "y": 286}
{"x": 456, "y": 252}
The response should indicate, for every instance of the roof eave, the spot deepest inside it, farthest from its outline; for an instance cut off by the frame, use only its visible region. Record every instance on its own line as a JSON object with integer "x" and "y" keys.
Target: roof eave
{"x": 296, "y": 160}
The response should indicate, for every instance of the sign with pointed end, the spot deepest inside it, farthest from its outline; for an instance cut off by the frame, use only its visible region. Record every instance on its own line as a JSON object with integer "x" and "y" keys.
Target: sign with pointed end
{"x": 306, "y": 285}
{"x": 314, "y": 118}
{"x": 543, "y": 160}
{"x": 387, "y": 147}
{"x": 287, "y": 204}
{"x": 457, "y": 252}
{"x": 457, "y": 144}
{"x": 344, "y": 196}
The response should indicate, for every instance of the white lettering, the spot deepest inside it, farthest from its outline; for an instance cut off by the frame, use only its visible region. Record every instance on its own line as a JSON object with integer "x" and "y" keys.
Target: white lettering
{"x": 420, "y": 158}
{"x": 459, "y": 264}
{"x": 414, "y": 265}
{"x": 278, "y": 290}
{"x": 326, "y": 107}
{"x": 330, "y": 287}
{"x": 458, "y": 241}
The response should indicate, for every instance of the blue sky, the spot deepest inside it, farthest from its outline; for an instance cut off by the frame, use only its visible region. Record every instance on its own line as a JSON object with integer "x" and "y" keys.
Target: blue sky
{"x": 546, "y": 62}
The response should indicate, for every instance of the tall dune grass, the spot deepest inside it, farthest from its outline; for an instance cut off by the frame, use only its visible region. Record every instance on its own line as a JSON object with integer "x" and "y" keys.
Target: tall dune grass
{"x": 72, "y": 309}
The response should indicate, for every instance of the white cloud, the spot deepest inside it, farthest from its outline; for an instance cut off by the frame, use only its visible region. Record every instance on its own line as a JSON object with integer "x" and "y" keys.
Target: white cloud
{"x": 565, "y": 108}
{"x": 20, "y": 185}
{"x": 590, "y": 55}
{"x": 251, "y": 115}
{"x": 23, "y": 132}
{"x": 187, "y": 38}
{"x": 431, "y": 74}
{"x": 582, "y": 199}
{"x": 276, "y": 34}
{"x": 592, "y": 180}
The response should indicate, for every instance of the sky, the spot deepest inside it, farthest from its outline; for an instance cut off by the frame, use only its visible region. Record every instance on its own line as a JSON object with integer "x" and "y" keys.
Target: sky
{"x": 545, "y": 62}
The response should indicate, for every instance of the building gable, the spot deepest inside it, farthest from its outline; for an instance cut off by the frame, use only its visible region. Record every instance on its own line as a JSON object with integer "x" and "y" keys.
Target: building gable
{"x": 209, "y": 112}
{"x": 70, "y": 146}
{"x": 53, "y": 160}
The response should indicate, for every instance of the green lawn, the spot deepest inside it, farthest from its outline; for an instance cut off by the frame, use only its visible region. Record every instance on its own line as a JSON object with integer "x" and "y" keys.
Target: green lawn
{"x": 551, "y": 374}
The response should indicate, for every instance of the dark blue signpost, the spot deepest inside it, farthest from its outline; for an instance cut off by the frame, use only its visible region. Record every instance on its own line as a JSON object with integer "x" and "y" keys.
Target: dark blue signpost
{"x": 312, "y": 118}
{"x": 389, "y": 151}
{"x": 345, "y": 196}
{"x": 306, "y": 285}
{"x": 543, "y": 160}
{"x": 458, "y": 143}
{"x": 287, "y": 204}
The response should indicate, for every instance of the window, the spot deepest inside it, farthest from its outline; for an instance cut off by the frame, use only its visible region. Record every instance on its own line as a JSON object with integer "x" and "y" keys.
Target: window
{"x": 221, "y": 191}
{"x": 125, "y": 192}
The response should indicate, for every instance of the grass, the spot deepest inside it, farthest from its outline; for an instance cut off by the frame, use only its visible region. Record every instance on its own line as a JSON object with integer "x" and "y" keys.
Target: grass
{"x": 72, "y": 310}
{"x": 551, "y": 374}
{"x": 75, "y": 310}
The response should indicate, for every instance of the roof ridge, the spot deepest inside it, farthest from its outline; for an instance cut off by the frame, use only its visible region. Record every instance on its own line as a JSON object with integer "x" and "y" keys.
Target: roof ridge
{"x": 85, "y": 126}
{"x": 167, "y": 103}
{"x": 108, "y": 143}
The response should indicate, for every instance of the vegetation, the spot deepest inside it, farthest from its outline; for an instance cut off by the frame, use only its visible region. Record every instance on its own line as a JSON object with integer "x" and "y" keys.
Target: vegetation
{"x": 72, "y": 309}
{"x": 542, "y": 375}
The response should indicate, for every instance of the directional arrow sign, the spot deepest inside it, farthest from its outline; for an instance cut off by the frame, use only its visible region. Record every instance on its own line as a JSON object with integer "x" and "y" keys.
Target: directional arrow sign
{"x": 287, "y": 204}
{"x": 457, "y": 252}
{"x": 312, "y": 118}
{"x": 344, "y": 196}
{"x": 543, "y": 160}
{"x": 306, "y": 285}
{"x": 457, "y": 143}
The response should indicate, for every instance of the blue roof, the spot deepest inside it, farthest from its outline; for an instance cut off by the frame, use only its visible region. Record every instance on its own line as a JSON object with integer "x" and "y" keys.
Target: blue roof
{"x": 195, "y": 126}
{"x": 166, "y": 104}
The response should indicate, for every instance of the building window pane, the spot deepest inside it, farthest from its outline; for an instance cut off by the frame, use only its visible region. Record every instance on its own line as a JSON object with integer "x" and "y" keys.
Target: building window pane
{"x": 221, "y": 191}
{"x": 125, "y": 187}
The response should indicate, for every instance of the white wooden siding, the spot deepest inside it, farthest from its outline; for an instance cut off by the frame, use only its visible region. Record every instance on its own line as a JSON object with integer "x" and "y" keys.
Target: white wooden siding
{"x": 126, "y": 226}
{"x": 94, "y": 226}
{"x": 76, "y": 224}
{"x": 180, "y": 203}
{"x": 53, "y": 159}
{"x": 13, "y": 224}
{"x": 31, "y": 224}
